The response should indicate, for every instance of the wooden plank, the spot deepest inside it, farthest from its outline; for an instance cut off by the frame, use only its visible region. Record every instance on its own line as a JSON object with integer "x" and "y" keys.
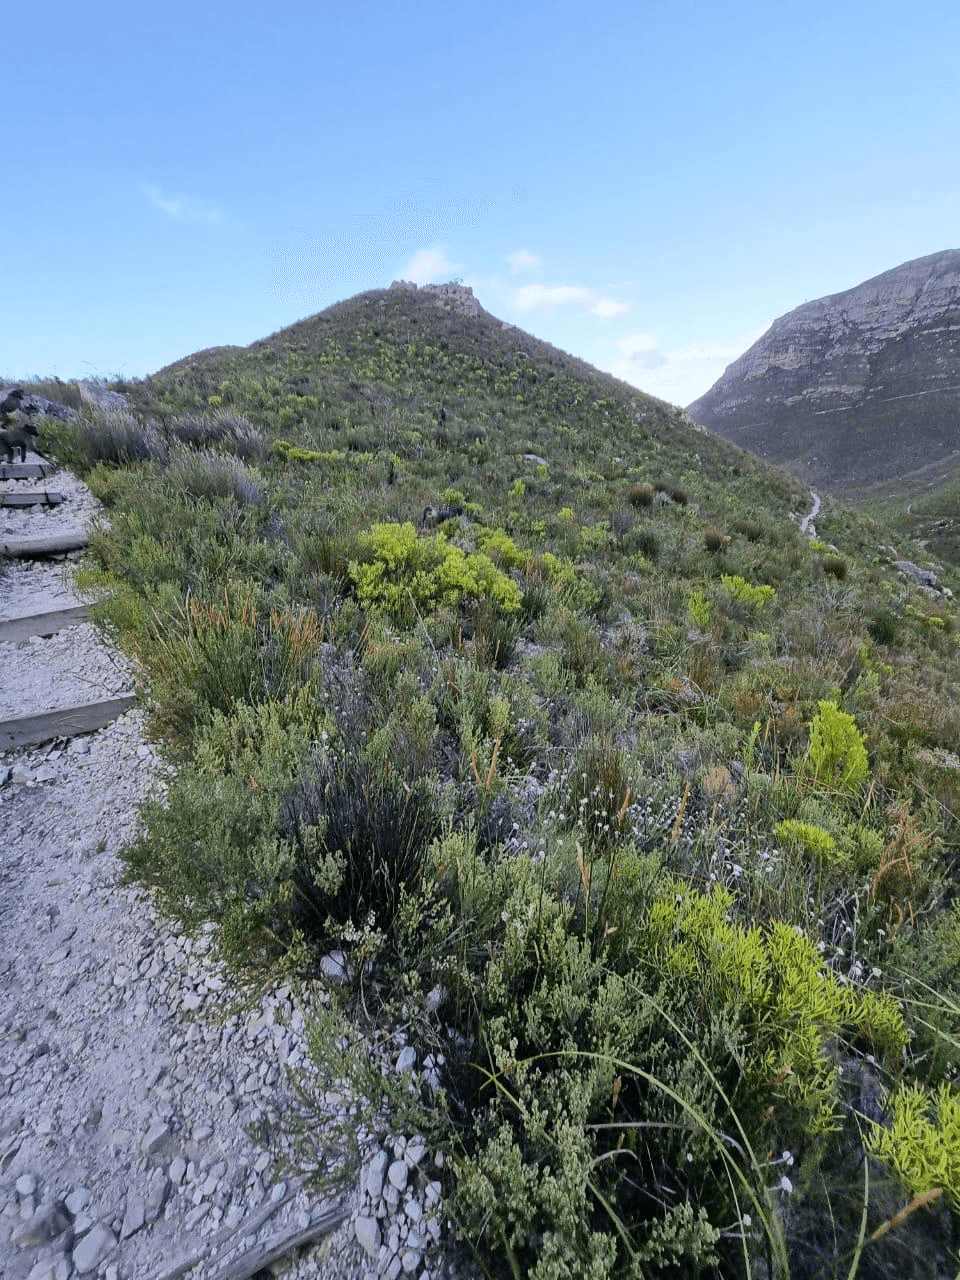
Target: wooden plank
{"x": 64, "y": 722}
{"x": 42, "y": 624}
{"x": 25, "y": 470}
{"x": 26, "y": 548}
{"x": 48, "y": 497}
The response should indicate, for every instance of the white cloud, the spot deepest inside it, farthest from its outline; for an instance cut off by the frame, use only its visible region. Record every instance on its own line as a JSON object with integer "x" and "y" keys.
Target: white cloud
{"x": 521, "y": 259}
{"x": 608, "y": 308}
{"x": 182, "y": 208}
{"x": 544, "y": 297}
{"x": 429, "y": 266}
{"x": 680, "y": 375}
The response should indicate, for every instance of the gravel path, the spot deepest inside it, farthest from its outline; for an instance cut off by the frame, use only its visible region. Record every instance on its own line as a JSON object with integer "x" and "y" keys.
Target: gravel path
{"x": 132, "y": 1070}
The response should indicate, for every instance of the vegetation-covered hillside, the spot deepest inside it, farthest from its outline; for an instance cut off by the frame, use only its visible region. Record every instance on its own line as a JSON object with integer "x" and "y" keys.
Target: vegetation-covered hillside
{"x": 632, "y": 804}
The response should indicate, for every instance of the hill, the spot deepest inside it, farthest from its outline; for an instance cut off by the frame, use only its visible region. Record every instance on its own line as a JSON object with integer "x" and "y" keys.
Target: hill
{"x": 854, "y": 390}
{"x": 519, "y": 715}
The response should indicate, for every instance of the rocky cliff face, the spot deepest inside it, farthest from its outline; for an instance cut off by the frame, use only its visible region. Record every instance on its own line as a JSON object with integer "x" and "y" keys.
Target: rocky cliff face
{"x": 856, "y": 388}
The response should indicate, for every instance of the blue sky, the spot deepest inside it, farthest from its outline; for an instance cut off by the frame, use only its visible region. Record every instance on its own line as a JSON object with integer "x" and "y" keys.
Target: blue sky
{"x": 646, "y": 185}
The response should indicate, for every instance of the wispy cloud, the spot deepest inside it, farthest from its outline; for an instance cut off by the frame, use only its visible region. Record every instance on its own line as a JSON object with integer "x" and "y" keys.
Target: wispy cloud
{"x": 430, "y": 266}
{"x": 522, "y": 260}
{"x": 680, "y": 375}
{"x": 182, "y": 208}
{"x": 544, "y": 297}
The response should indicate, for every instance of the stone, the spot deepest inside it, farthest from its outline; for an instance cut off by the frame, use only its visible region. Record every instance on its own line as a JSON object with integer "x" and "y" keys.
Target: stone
{"x": 93, "y": 1248}
{"x": 397, "y": 1175}
{"x": 376, "y": 1170}
{"x": 155, "y": 1137}
{"x": 77, "y": 1200}
{"x": 47, "y": 1222}
{"x": 335, "y": 968}
{"x": 406, "y": 1060}
{"x": 26, "y": 1185}
{"x": 157, "y": 1192}
{"x": 134, "y": 1215}
{"x": 367, "y": 1231}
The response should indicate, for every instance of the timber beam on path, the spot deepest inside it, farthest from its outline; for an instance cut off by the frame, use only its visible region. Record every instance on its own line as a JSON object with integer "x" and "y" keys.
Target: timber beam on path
{"x": 45, "y": 497}
{"x": 64, "y": 722}
{"x": 25, "y": 470}
{"x": 42, "y": 624}
{"x": 58, "y": 544}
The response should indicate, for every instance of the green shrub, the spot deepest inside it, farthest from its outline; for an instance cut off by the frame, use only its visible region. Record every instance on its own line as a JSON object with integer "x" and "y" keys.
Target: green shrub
{"x": 836, "y": 756}
{"x": 359, "y": 840}
{"x": 835, "y": 566}
{"x": 698, "y": 607}
{"x": 117, "y": 437}
{"x": 640, "y": 495}
{"x": 647, "y": 544}
{"x": 208, "y": 474}
{"x": 809, "y": 838}
{"x": 714, "y": 541}
{"x": 744, "y": 593}
{"x": 883, "y": 626}
{"x": 402, "y": 573}
{"x": 922, "y": 1142}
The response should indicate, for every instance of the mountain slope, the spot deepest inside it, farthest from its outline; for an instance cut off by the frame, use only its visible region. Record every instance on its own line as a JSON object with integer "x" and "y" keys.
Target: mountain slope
{"x": 633, "y": 810}
{"x": 853, "y": 389}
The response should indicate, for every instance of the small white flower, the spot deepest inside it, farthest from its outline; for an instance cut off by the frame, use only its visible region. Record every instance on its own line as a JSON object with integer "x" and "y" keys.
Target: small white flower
{"x": 785, "y": 1184}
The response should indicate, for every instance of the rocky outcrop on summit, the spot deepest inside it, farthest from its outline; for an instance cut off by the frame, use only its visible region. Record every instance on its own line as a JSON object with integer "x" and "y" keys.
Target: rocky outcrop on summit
{"x": 856, "y": 388}
{"x": 453, "y": 296}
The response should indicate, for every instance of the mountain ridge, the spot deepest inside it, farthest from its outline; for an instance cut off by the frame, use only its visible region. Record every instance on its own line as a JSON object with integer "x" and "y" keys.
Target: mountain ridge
{"x": 855, "y": 388}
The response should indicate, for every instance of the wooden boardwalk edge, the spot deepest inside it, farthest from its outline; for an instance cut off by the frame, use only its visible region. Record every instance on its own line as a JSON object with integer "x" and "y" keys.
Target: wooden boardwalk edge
{"x": 64, "y": 722}
{"x": 42, "y": 624}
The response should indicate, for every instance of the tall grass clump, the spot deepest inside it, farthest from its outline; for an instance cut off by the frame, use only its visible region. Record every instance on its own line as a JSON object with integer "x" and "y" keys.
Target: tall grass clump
{"x": 211, "y": 474}
{"x": 222, "y": 430}
{"x": 116, "y": 437}
{"x": 359, "y": 840}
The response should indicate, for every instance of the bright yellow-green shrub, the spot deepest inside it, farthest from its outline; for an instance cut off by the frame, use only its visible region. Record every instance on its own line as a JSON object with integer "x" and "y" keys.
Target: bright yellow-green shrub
{"x": 923, "y": 1144}
{"x": 836, "y": 756}
{"x": 810, "y": 838}
{"x": 745, "y": 593}
{"x": 400, "y": 571}
{"x": 499, "y": 546}
{"x": 698, "y": 607}
{"x": 791, "y": 1005}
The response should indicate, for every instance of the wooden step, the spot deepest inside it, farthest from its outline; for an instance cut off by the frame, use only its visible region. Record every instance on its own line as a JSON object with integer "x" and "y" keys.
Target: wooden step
{"x": 58, "y": 544}
{"x": 64, "y": 722}
{"x": 25, "y": 470}
{"x": 42, "y": 624}
{"x": 47, "y": 498}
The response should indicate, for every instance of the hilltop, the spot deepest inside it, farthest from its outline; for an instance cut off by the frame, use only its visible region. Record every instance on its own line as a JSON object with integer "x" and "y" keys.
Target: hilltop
{"x": 857, "y": 389}
{"x": 519, "y": 717}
